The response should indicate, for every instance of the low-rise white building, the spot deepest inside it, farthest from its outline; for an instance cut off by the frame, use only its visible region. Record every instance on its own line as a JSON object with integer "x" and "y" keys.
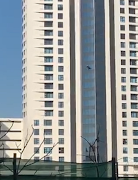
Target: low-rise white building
{"x": 10, "y": 136}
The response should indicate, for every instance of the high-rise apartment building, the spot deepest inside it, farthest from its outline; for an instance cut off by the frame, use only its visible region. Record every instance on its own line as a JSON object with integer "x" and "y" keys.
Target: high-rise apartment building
{"x": 80, "y": 79}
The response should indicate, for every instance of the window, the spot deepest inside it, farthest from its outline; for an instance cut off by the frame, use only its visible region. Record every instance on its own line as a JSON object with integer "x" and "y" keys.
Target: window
{"x": 123, "y": 45}
{"x": 60, "y": 77}
{"x": 48, "y": 15}
{"x": 135, "y": 123}
{"x": 49, "y": 113}
{"x": 133, "y": 88}
{"x": 122, "y": 2}
{"x": 48, "y": 59}
{"x": 48, "y": 50}
{"x": 60, "y": 104}
{"x": 61, "y": 140}
{"x": 48, "y": 77}
{"x": 133, "y": 53}
{"x": 48, "y": 41}
{"x": 125, "y": 150}
{"x": 124, "y": 132}
{"x": 49, "y": 95}
{"x": 60, "y": 95}
{"x": 48, "y": 103}
{"x": 135, "y": 159}
{"x": 124, "y": 114}
{"x": 61, "y": 113}
{"x": 132, "y": 45}
{"x": 122, "y": 27}
{"x": 48, "y": 33}
{"x": 36, "y": 159}
{"x": 134, "y": 105}
{"x": 122, "y": 19}
{"x": 48, "y": 6}
{"x": 48, "y": 86}
{"x": 122, "y": 36}
{"x": 123, "y": 79}
{"x": 124, "y": 141}
{"x": 36, "y": 122}
{"x": 124, "y": 105}
{"x": 61, "y": 131}
{"x": 61, "y": 159}
{"x": 124, "y": 123}
{"x": 125, "y": 159}
{"x": 60, "y": 59}
{"x": 135, "y": 150}
{"x": 47, "y": 150}
{"x": 36, "y": 140}
{"x": 123, "y": 97}
{"x": 47, "y": 158}
{"x": 123, "y": 53}
{"x": 60, "y": 42}
{"x": 133, "y": 62}
{"x": 36, "y": 150}
{"x": 61, "y": 150}
{"x": 125, "y": 168}
{"x": 134, "y": 114}
{"x": 60, "y": 16}
{"x": 133, "y": 79}
{"x": 48, "y": 141}
{"x": 135, "y": 132}
{"x": 60, "y": 7}
{"x": 60, "y": 68}
{"x": 123, "y": 88}
{"x": 60, "y": 24}
{"x": 122, "y": 10}
{"x": 135, "y": 141}
{"x": 134, "y": 97}
{"x": 123, "y": 71}
{"x": 60, "y": 51}
{"x": 60, "y": 33}
{"x": 48, "y": 68}
{"x": 47, "y": 122}
{"x": 61, "y": 122}
{"x": 48, "y": 24}
{"x": 36, "y": 131}
{"x": 60, "y": 87}
{"x": 47, "y": 131}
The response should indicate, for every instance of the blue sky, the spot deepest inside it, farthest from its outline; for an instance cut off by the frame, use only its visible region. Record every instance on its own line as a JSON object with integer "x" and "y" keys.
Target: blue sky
{"x": 10, "y": 58}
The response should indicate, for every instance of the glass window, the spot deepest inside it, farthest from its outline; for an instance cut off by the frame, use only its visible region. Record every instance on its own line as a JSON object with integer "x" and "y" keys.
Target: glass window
{"x": 134, "y": 114}
{"x": 125, "y": 159}
{"x": 36, "y": 122}
{"x": 36, "y": 140}
{"x": 60, "y": 15}
{"x": 60, "y": 104}
{"x": 124, "y": 132}
{"x": 49, "y": 113}
{"x": 61, "y": 122}
{"x": 61, "y": 150}
{"x": 47, "y": 158}
{"x": 122, "y": 2}
{"x": 47, "y": 122}
{"x": 47, "y": 150}
{"x": 60, "y": 86}
{"x": 47, "y": 131}
{"x": 48, "y": 15}
{"x": 125, "y": 150}
{"x": 61, "y": 113}
{"x": 60, "y": 24}
{"x": 48, "y": 59}
{"x": 135, "y": 141}
{"x": 36, "y": 131}
{"x": 60, "y": 95}
{"x": 123, "y": 70}
{"x": 48, "y": 103}
{"x": 48, "y": 6}
{"x": 61, "y": 140}
{"x": 48, "y": 141}
{"x": 123, "y": 45}
{"x": 48, "y": 50}
{"x": 60, "y": 77}
{"x": 124, "y": 123}
{"x": 49, "y": 95}
{"x": 60, "y": 59}
{"x": 48, "y": 68}
{"x": 61, "y": 159}
{"x": 125, "y": 168}
{"x": 48, "y": 86}
{"x": 60, "y": 68}
{"x": 48, "y": 33}
{"x": 60, "y": 7}
{"x": 124, "y": 141}
{"x": 135, "y": 132}
{"x": 60, "y": 51}
{"x": 60, "y": 33}
{"x": 135, "y": 159}
{"x": 36, "y": 150}
{"x": 123, "y": 88}
{"x": 135, "y": 150}
{"x": 134, "y": 105}
{"x": 48, "y": 77}
{"x": 122, "y": 19}
{"x": 124, "y": 114}
{"x": 61, "y": 131}
{"x": 123, "y": 79}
